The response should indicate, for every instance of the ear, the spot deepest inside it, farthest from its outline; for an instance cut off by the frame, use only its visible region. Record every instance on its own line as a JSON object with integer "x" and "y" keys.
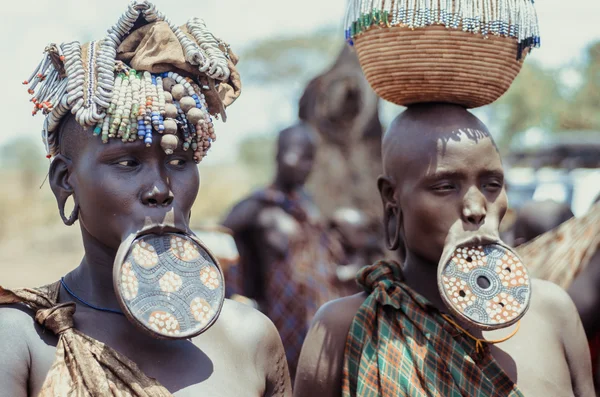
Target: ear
{"x": 387, "y": 192}
{"x": 60, "y": 170}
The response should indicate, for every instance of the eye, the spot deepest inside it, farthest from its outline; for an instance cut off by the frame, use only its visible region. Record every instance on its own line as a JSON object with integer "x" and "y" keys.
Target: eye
{"x": 127, "y": 163}
{"x": 177, "y": 162}
{"x": 493, "y": 185}
{"x": 443, "y": 187}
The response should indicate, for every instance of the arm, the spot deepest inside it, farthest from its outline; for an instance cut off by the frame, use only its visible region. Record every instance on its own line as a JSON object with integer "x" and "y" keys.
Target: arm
{"x": 14, "y": 372}
{"x": 575, "y": 343}
{"x": 271, "y": 357}
{"x": 242, "y": 223}
{"x": 322, "y": 359}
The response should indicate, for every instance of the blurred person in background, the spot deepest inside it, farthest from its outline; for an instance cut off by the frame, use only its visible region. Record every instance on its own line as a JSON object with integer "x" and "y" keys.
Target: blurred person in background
{"x": 359, "y": 244}
{"x": 288, "y": 260}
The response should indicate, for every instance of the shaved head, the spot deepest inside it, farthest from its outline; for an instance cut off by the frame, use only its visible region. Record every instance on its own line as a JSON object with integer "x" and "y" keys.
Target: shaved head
{"x": 298, "y": 134}
{"x": 72, "y": 137}
{"x": 415, "y": 134}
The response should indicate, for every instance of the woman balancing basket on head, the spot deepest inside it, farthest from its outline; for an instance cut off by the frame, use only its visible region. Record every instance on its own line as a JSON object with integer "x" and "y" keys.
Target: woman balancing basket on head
{"x": 426, "y": 327}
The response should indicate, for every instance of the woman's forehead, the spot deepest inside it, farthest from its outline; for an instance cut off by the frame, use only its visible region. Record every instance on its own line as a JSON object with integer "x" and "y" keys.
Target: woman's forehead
{"x": 461, "y": 153}
{"x": 466, "y": 155}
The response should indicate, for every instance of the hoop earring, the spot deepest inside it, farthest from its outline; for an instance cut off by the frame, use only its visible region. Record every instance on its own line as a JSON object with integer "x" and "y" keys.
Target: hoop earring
{"x": 395, "y": 243}
{"x": 74, "y": 215}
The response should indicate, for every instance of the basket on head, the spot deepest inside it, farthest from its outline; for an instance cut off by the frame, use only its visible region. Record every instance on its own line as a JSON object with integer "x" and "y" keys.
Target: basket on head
{"x": 466, "y": 52}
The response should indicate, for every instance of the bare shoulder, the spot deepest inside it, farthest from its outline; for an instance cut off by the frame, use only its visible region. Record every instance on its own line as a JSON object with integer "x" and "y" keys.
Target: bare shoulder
{"x": 16, "y": 324}
{"x": 339, "y": 313}
{"x": 236, "y": 316}
{"x": 322, "y": 358}
{"x": 255, "y": 336}
{"x": 17, "y": 329}
{"x": 551, "y": 301}
{"x": 243, "y": 214}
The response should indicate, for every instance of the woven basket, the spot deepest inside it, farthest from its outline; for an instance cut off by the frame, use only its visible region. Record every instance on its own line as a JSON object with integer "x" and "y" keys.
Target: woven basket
{"x": 437, "y": 64}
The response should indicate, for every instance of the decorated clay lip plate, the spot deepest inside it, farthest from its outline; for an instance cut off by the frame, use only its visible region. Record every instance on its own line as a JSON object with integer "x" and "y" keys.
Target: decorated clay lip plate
{"x": 486, "y": 285}
{"x": 169, "y": 285}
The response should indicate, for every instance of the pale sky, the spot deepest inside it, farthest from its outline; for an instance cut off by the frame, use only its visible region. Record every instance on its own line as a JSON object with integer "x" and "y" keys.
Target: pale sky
{"x": 567, "y": 27}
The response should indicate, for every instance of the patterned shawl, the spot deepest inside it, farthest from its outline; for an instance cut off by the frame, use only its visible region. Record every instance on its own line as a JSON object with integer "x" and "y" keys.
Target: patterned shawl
{"x": 83, "y": 367}
{"x": 400, "y": 345}
{"x": 562, "y": 253}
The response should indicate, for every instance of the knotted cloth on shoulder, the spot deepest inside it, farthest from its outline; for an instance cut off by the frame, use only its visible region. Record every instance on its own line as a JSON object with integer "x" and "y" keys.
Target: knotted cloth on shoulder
{"x": 83, "y": 366}
{"x": 400, "y": 345}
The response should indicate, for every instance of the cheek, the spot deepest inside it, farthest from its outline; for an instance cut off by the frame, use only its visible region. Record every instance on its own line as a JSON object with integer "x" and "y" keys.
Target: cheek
{"x": 104, "y": 195}
{"x": 500, "y": 205}
{"x": 185, "y": 187}
{"x": 427, "y": 219}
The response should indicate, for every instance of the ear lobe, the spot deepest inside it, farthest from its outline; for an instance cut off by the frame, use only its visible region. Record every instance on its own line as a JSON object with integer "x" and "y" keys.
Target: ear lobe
{"x": 59, "y": 177}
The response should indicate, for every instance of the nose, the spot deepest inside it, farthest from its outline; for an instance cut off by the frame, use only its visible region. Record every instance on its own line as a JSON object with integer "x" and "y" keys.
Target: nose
{"x": 474, "y": 207}
{"x": 158, "y": 196}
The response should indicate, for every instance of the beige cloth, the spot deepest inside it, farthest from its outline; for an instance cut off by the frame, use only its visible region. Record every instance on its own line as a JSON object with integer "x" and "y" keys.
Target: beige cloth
{"x": 83, "y": 367}
{"x": 562, "y": 253}
{"x": 155, "y": 48}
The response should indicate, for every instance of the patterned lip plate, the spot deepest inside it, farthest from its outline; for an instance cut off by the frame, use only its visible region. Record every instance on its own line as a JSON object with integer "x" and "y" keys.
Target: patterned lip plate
{"x": 487, "y": 286}
{"x": 170, "y": 286}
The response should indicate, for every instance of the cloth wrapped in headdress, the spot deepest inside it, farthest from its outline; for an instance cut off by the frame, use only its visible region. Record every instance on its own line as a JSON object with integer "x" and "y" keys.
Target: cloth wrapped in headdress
{"x": 146, "y": 76}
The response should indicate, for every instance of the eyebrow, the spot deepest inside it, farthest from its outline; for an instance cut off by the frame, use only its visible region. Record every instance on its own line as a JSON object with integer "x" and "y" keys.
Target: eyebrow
{"x": 449, "y": 174}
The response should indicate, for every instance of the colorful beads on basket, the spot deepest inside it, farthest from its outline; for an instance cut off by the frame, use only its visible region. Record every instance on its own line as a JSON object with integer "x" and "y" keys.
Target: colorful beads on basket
{"x": 509, "y": 18}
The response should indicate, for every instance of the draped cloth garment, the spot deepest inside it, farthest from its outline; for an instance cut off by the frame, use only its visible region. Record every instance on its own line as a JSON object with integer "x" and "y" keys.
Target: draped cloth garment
{"x": 400, "y": 345}
{"x": 83, "y": 366}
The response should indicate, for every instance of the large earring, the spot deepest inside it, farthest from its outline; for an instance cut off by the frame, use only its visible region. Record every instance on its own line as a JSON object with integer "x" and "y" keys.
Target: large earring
{"x": 74, "y": 215}
{"x": 393, "y": 244}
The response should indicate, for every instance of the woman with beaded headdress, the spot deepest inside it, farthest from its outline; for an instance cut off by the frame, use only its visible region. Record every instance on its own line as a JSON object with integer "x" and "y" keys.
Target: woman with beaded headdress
{"x": 461, "y": 316}
{"x": 127, "y": 118}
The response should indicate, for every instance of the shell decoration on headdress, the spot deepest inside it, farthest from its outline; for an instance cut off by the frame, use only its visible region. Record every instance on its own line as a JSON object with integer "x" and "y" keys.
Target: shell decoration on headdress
{"x": 466, "y": 52}
{"x": 146, "y": 77}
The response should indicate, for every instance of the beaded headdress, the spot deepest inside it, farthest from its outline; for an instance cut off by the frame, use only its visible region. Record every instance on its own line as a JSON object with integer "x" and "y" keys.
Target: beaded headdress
{"x": 146, "y": 77}
{"x": 466, "y": 52}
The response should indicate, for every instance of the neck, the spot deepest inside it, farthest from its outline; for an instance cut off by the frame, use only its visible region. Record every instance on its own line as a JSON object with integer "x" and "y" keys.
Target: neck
{"x": 285, "y": 186}
{"x": 421, "y": 276}
{"x": 92, "y": 280}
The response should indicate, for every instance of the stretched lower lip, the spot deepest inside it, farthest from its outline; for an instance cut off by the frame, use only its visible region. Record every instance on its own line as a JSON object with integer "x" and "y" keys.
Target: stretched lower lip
{"x": 478, "y": 241}
{"x": 161, "y": 229}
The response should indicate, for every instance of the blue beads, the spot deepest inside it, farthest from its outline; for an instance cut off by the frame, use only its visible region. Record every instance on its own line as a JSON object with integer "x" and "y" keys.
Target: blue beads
{"x": 148, "y": 137}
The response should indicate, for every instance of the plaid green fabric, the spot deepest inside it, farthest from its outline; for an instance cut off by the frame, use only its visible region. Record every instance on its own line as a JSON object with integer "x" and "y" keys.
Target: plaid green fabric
{"x": 400, "y": 345}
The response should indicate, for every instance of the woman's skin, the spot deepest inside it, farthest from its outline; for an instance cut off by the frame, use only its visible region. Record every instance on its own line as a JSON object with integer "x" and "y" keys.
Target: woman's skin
{"x": 122, "y": 188}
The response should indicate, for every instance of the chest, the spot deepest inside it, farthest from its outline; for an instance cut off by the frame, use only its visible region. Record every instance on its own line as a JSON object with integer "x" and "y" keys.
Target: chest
{"x": 534, "y": 358}
{"x": 208, "y": 366}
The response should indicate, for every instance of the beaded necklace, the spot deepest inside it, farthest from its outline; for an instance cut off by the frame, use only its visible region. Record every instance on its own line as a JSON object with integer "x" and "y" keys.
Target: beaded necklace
{"x": 83, "y": 302}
